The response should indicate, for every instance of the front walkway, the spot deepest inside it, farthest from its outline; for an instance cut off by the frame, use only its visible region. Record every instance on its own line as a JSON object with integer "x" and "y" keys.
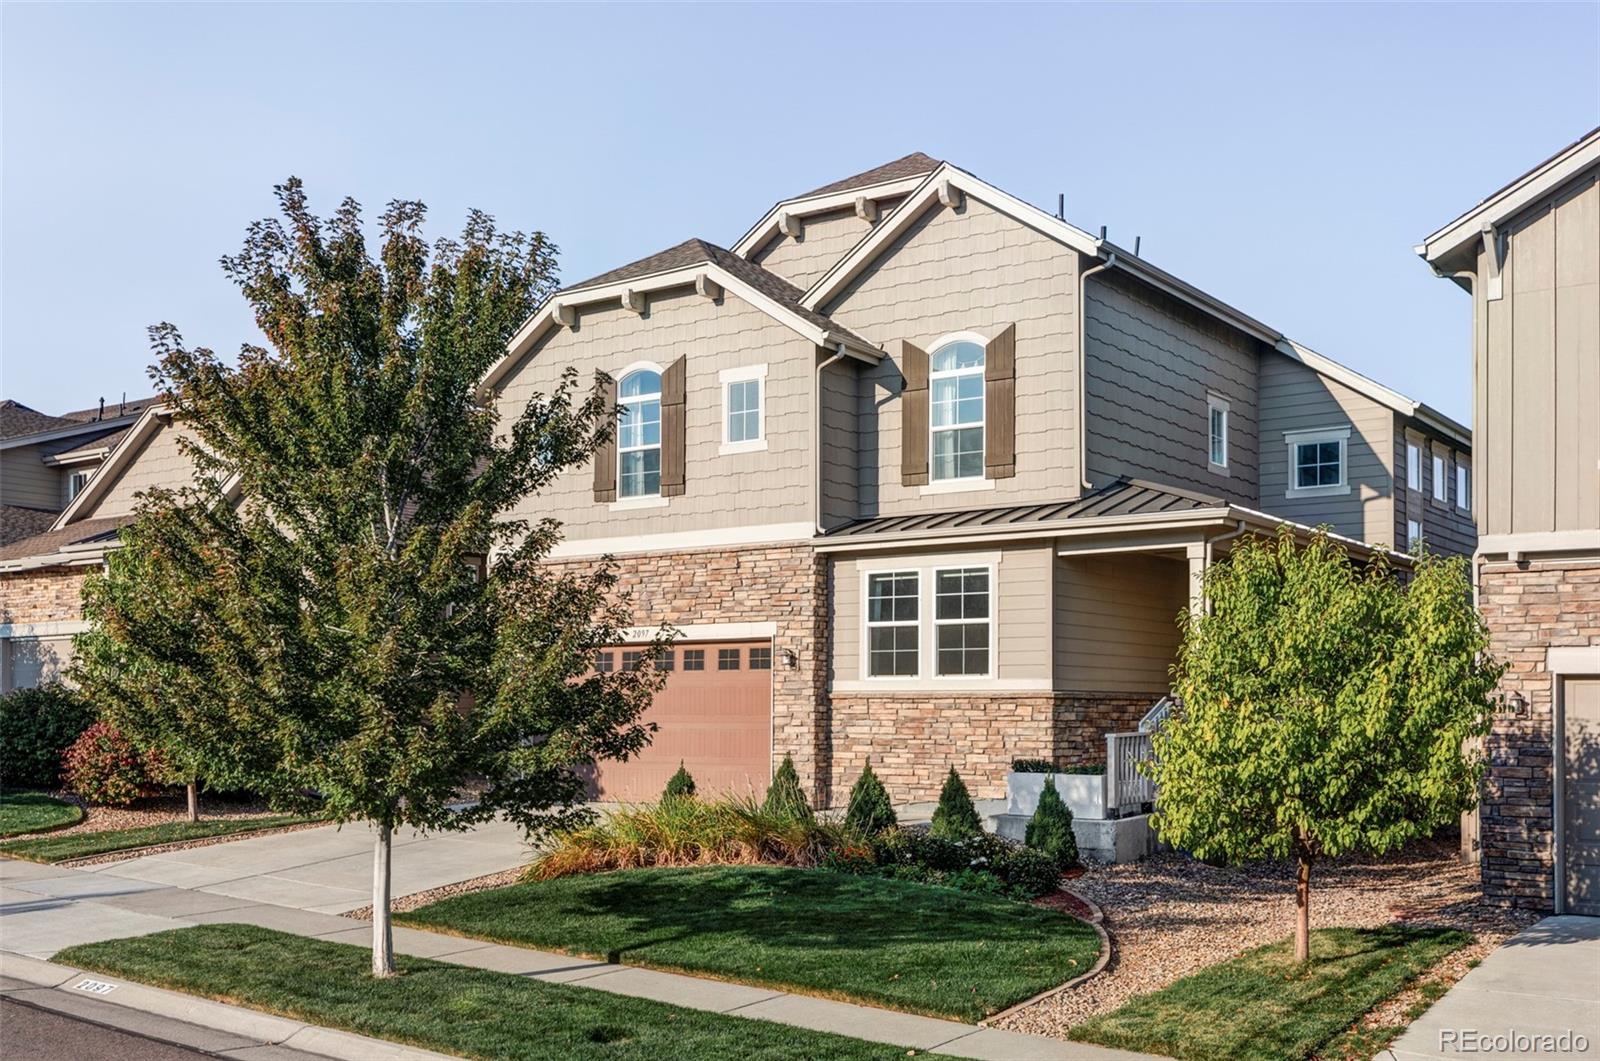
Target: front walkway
{"x": 46, "y": 908}
{"x": 1544, "y": 981}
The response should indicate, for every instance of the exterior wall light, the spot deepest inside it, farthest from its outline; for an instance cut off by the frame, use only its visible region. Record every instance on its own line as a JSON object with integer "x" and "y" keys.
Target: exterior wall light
{"x": 1516, "y": 704}
{"x": 791, "y": 658}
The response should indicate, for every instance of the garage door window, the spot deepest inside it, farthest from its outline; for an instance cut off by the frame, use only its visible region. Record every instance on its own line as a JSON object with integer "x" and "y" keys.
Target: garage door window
{"x": 604, "y": 663}
{"x": 893, "y": 634}
{"x": 727, "y": 659}
{"x": 761, "y": 659}
{"x": 694, "y": 659}
{"x": 631, "y": 659}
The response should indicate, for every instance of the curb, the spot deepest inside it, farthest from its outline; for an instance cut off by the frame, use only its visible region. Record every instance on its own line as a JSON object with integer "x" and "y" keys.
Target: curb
{"x": 265, "y": 1028}
{"x": 1094, "y": 921}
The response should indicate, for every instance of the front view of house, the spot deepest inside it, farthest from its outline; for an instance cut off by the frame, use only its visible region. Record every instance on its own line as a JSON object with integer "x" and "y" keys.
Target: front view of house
{"x": 920, "y": 474}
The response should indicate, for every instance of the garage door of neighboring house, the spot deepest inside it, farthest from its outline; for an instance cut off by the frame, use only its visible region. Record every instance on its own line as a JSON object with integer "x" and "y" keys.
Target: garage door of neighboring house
{"x": 29, "y": 661}
{"x": 1580, "y": 795}
{"x": 714, "y": 715}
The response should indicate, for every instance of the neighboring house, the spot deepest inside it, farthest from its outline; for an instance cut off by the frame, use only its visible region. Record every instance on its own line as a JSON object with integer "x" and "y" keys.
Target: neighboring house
{"x": 45, "y": 462}
{"x": 924, "y": 475}
{"x": 1530, "y": 256}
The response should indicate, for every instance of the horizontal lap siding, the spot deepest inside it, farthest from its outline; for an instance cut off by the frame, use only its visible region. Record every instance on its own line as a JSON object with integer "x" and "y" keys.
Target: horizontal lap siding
{"x": 1116, "y": 622}
{"x": 1151, "y": 364}
{"x": 28, "y": 481}
{"x": 971, "y": 269}
{"x": 1295, "y": 398}
{"x": 160, "y": 462}
{"x": 741, "y": 489}
{"x": 840, "y": 384}
{"x": 824, "y": 239}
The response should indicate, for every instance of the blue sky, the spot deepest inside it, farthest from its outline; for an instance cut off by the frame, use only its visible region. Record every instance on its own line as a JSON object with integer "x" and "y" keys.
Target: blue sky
{"x": 1285, "y": 158}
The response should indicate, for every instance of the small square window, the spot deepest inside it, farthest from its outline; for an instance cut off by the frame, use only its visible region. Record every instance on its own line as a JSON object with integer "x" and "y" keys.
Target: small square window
{"x": 630, "y": 660}
{"x": 761, "y": 659}
{"x": 604, "y": 663}
{"x": 694, "y": 659}
{"x": 727, "y": 659}
{"x": 668, "y": 660}
{"x": 744, "y": 410}
{"x": 1318, "y": 464}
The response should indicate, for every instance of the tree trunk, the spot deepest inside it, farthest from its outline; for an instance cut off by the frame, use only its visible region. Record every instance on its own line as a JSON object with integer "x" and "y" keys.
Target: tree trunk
{"x": 192, "y": 790}
{"x": 382, "y": 932}
{"x": 1302, "y": 907}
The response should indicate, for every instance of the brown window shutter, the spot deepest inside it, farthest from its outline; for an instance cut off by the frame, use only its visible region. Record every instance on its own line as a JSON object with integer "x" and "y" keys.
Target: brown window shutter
{"x": 605, "y": 456}
{"x": 913, "y": 415}
{"x": 672, "y": 429}
{"x": 1000, "y": 404}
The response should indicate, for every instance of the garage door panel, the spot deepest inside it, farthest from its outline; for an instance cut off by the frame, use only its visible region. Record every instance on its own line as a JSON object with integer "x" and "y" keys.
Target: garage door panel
{"x": 717, "y": 722}
{"x": 1580, "y": 795}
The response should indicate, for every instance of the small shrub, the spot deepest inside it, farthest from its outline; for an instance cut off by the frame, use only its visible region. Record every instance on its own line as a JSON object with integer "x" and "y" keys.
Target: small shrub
{"x": 978, "y": 881}
{"x": 104, "y": 767}
{"x": 36, "y": 727}
{"x": 908, "y": 847}
{"x": 850, "y": 858}
{"x": 1027, "y": 873}
{"x": 785, "y": 797}
{"x": 1032, "y": 766}
{"x": 955, "y": 818}
{"x": 869, "y": 811}
{"x": 1050, "y": 828}
{"x": 681, "y": 785}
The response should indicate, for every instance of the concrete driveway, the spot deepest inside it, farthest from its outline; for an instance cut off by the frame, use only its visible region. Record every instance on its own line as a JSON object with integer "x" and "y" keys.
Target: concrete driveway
{"x": 329, "y": 869}
{"x": 1544, "y": 981}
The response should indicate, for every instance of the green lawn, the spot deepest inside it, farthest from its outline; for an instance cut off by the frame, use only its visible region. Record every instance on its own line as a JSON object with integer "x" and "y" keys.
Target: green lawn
{"x": 1261, "y": 1005}
{"x": 82, "y": 845}
{"x": 443, "y": 1007}
{"x": 33, "y": 812}
{"x": 885, "y": 942}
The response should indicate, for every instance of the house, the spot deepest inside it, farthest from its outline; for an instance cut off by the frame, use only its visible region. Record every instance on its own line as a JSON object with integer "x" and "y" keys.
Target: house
{"x": 1530, "y": 257}
{"x": 921, "y": 475}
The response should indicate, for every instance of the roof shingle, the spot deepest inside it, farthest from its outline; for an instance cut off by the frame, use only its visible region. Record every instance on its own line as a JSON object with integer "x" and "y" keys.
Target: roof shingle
{"x": 915, "y": 164}
{"x": 83, "y": 531}
{"x": 17, "y": 420}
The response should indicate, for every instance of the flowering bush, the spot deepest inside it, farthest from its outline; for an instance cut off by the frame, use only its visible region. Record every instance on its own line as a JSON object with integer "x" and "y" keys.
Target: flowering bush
{"x": 104, "y": 767}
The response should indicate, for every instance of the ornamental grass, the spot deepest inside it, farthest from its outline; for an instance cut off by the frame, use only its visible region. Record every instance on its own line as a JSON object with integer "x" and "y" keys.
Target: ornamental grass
{"x": 690, "y": 832}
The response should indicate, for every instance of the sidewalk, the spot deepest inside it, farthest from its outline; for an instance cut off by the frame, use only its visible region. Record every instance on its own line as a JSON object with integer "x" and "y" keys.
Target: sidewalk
{"x": 1545, "y": 980}
{"x": 46, "y": 908}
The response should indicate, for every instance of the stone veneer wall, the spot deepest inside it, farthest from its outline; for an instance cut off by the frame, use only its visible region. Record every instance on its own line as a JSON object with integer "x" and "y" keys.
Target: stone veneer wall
{"x": 914, "y": 738}
{"x": 1549, "y": 603}
{"x": 46, "y": 595}
{"x": 782, "y": 584}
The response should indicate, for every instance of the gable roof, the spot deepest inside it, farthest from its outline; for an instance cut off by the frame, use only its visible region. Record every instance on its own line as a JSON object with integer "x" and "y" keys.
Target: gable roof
{"x": 915, "y": 164}
{"x": 113, "y": 410}
{"x": 1502, "y": 204}
{"x": 128, "y": 445}
{"x": 18, "y": 420}
{"x": 880, "y": 182}
{"x": 82, "y": 542}
{"x": 689, "y": 262}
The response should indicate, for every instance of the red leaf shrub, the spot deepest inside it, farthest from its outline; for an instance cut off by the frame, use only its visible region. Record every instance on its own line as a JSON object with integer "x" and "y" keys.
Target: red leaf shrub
{"x": 104, "y": 767}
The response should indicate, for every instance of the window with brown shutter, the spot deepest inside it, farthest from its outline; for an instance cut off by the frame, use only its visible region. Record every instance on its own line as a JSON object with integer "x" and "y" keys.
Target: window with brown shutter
{"x": 1000, "y": 402}
{"x": 913, "y": 415}
{"x": 605, "y": 456}
{"x": 672, "y": 429}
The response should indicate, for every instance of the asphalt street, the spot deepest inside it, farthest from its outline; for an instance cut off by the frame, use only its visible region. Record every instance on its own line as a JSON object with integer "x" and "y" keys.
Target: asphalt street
{"x": 30, "y": 1034}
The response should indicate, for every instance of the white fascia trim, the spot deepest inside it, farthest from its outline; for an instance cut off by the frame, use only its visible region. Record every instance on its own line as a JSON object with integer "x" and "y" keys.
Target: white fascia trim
{"x": 1575, "y": 659}
{"x": 10, "y": 630}
{"x": 59, "y": 559}
{"x": 148, "y": 423}
{"x": 925, "y": 194}
{"x": 703, "y": 631}
{"x": 1575, "y": 541}
{"x": 804, "y": 206}
{"x": 1268, "y": 521}
{"x": 76, "y": 456}
{"x": 67, "y": 432}
{"x": 1510, "y": 200}
{"x": 675, "y": 541}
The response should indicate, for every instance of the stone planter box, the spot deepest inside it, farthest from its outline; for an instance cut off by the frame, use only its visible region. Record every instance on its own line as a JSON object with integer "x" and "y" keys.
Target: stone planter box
{"x": 1084, "y": 794}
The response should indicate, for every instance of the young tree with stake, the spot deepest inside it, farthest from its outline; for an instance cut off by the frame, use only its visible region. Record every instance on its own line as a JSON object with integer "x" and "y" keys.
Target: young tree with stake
{"x": 344, "y": 604}
{"x": 1326, "y": 708}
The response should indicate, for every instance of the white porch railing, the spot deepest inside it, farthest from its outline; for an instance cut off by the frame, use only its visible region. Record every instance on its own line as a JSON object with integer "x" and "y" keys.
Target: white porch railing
{"x": 1156, "y": 715}
{"x": 1127, "y": 790}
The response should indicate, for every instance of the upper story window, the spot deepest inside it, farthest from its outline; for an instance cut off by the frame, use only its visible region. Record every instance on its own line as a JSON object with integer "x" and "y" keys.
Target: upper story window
{"x": 639, "y": 434}
{"x": 1463, "y": 488}
{"x": 1441, "y": 485}
{"x": 744, "y": 409}
{"x": 76, "y": 482}
{"x": 1318, "y": 462}
{"x": 1413, "y": 466}
{"x": 1217, "y": 415}
{"x": 955, "y": 382}
{"x": 1413, "y": 535}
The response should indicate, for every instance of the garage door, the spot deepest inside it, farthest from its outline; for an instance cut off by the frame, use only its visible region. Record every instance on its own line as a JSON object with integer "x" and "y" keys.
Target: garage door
{"x": 714, "y": 715}
{"x": 1580, "y": 795}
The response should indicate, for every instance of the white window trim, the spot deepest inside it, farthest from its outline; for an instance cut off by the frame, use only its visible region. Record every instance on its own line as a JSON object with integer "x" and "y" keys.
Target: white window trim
{"x": 72, "y": 476}
{"x": 657, "y": 499}
{"x": 926, "y": 567}
{"x": 1413, "y": 539}
{"x": 936, "y": 622}
{"x": 1215, "y": 403}
{"x": 1413, "y": 466}
{"x": 1463, "y": 486}
{"x": 1292, "y": 439}
{"x": 968, "y": 482}
{"x": 867, "y": 626}
{"x": 744, "y": 375}
{"x": 1441, "y": 482}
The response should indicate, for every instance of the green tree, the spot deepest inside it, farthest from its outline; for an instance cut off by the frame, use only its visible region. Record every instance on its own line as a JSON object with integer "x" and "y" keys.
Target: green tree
{"x": 869, "y": 810}
{"x": 371, "y": 622}
{"x": 955, "y": 818}
{"x": 1050, "y": 828}
{"x": 785, "y": 796}
{"x": 1325, "y": 708}
{"x": 680, "y": 785}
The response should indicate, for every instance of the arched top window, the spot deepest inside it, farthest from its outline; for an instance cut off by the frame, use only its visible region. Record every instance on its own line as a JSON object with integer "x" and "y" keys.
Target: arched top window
{"x": 639, "y": 434}
{"x": 955, "y": 382}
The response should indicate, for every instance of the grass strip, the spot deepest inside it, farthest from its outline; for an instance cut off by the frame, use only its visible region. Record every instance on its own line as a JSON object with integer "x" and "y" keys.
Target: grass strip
{"x": 83, "y": 845}
{"x": 35, "y": 812}
{"x": 890, "y": 943}
{"x": 1263, "y": 1006}
{"x": 450, "y": 1008}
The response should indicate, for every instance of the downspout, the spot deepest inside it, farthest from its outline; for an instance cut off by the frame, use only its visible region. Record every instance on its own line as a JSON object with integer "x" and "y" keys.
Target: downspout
{"x": 816, "y": 436}
{"x": 1081, "y": 313}
{"x": 1211, "y": 551}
